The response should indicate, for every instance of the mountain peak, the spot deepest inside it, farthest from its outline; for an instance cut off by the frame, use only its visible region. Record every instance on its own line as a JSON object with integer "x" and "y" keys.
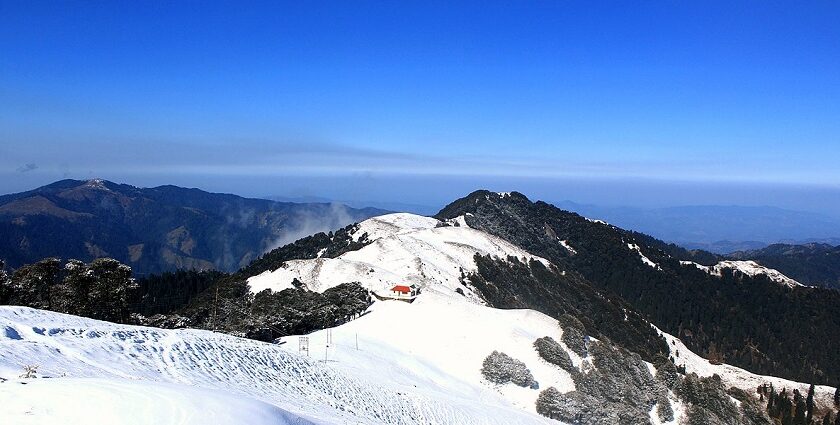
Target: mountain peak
{"x": 481, "y": 199}
{"x": 97, "y": 183}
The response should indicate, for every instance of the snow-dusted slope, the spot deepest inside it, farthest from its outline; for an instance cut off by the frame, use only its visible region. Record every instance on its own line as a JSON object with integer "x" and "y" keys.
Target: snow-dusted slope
{"x": 383, "y": 382}
{"x": 737, "y": 377}
{"x": 406, "y": 249}
{"x": 749, "y": 268}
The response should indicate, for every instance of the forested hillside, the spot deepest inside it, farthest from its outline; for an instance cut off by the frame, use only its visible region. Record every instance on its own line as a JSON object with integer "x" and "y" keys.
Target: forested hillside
{"x": 752, "y": 322}
{"x": 158, "y": 229}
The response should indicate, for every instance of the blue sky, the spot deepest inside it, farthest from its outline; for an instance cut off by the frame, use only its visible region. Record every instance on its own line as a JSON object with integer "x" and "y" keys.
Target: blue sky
{"x": 664, "y": 103}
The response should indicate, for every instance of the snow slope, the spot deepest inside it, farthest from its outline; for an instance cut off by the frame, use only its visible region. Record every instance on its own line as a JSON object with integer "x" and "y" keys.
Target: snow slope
{"x": 737, "y": 377}
{"x": 400, "y": 363}
{"x": 377, "y": 384}
{"x": 406, "y": 249}
{"x": 107, "y": 401}
{"x": 443, "y": 340}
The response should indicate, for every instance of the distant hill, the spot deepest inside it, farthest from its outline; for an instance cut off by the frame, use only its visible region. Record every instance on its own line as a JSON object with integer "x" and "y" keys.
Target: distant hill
{"x": 719, "y": 229}
{"x": 156, "y": 229}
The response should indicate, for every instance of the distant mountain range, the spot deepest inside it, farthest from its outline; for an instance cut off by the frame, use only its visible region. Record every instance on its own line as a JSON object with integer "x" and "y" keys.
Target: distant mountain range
{"x": 156, "y": 229}
{"x": 719, "y": 229}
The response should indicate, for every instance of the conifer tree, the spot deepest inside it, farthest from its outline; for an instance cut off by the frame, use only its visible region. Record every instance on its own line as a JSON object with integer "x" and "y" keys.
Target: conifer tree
{"x": 111, "y": 290}
{"x": 827, "y": 419}
{"x": 837, "y": 397}
{"x": 809, "y": 405}
{"x": 31, "y": 284}
{"x": 4, "y": 284}
{"x": 76, "y": 286}
{"x": 800, "y": 412}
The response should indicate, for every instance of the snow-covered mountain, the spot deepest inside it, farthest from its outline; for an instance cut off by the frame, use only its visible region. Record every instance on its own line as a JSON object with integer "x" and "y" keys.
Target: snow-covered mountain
{"x": 508, "y": 328}
{"x": 404, "y": 249}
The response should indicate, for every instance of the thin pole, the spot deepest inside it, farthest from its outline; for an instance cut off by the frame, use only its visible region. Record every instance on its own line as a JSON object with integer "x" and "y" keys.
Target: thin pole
{"x": 215, "y": 307}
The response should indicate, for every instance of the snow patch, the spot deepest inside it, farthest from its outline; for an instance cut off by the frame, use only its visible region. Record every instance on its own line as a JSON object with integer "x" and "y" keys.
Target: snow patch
{"x": 644, "y": 258}
{"x": 692, "y": 263}
{"x": 459, "y": 221}
{"x": 592, "y": 220}
{"x": 568, "y": 247}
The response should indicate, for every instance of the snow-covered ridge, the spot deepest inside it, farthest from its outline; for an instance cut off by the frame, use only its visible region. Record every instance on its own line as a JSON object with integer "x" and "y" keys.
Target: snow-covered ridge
{"x": 405, "y": 249}
{"x": 749, "y": 268}
{"x": 393, "y": 224}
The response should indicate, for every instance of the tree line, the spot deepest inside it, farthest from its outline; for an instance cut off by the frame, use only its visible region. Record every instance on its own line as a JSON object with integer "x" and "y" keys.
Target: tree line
{"x": 101, "y": 289}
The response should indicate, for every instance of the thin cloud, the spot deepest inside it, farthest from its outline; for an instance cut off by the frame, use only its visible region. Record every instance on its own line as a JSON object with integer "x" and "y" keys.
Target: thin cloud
{"x": 27, "y": 168}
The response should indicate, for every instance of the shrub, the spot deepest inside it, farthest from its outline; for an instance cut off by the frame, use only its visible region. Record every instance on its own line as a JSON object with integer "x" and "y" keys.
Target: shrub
{"x": 500, "y": 368}
{"x": 553, "y": 352}
{"x": 574, "y": 334}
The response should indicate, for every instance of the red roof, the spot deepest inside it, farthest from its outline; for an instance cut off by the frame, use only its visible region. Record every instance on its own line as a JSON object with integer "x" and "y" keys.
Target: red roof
{"x": 401, "y": 288}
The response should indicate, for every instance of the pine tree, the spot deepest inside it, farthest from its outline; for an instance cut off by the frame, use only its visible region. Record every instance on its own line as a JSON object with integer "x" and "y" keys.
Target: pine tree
{"x": 111, "y": 290}
{"x": 5, "y": 289}
{"x": 837, "y": 397}
{"x": 75, "y": 288}
{"x": 31, "y": 284}
{"x": 827, "y": 419}
{"x": 799, "y": 414}
{"x": 809, "y": 405}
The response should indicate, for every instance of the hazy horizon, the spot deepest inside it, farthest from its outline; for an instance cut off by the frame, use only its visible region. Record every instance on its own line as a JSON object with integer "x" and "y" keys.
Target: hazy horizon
{"x": 389, "y": 193}
{"x": 633, "y": 105}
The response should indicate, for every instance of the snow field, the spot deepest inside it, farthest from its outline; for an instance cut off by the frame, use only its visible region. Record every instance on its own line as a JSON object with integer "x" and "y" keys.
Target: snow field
{"x": 80, "y": 401}
{"x": 384, "y": 386}
{"x": 443, "y": 341}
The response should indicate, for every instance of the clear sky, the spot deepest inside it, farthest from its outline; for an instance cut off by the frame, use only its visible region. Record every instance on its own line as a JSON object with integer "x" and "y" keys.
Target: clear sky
{"x": 662, "y": 103}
